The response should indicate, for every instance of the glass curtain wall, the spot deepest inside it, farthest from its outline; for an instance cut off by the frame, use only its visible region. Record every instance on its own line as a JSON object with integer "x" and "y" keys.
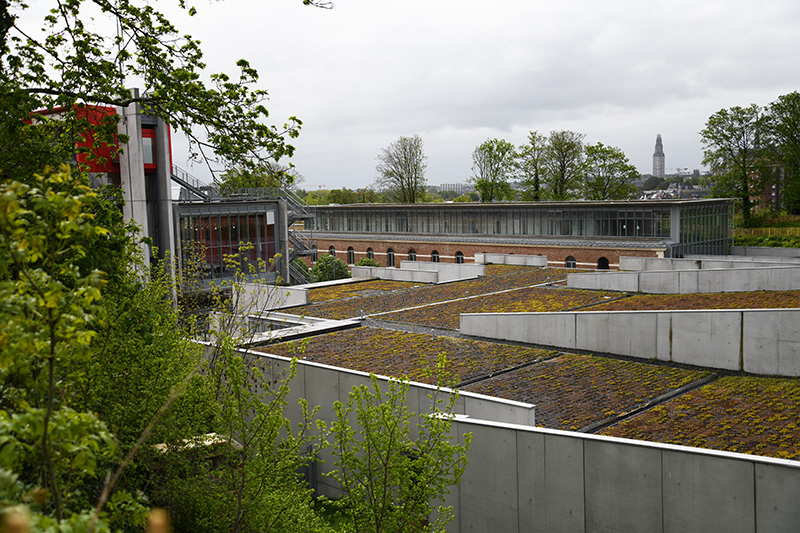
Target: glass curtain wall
{"x": 217, "y": 241}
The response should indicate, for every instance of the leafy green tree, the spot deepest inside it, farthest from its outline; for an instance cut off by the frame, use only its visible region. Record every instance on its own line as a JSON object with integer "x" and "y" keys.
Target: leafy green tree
{"x": 492, "y": 167}
{"x": 393, "y": 463}
{"x": 608, "y": 173}
{"x": 652, "y": 183}
{"x": 75, "y": 63}
{"x": 328, "y": 268}
{"x": 532, "y": 165}
{"x": 733, "y": 151}
{"x": 270, "y": 176}
{"x": 564, "y": 160}
{"x": 367, "y": 262}
{"x": 783, "y": 124}
{"x": 401, "y": 170}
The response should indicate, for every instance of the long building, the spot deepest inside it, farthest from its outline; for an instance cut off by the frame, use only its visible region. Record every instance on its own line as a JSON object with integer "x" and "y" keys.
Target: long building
{"x": 573, "y": 234}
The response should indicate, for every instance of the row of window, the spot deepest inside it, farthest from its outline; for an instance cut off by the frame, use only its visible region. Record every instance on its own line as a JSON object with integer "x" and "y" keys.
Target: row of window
{"x": 390, "y": 261}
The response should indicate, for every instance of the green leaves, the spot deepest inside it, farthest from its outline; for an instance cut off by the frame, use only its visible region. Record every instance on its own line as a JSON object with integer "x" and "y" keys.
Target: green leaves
{"x": 389, "y": 470}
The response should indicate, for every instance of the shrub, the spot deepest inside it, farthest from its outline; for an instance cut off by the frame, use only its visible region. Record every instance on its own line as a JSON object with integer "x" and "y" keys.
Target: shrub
{"x": 367, "y": 262}
{"x": 328, "y": 268}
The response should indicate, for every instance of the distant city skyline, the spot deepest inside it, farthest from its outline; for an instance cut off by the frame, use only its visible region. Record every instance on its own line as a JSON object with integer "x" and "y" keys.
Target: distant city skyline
{"x": 457, "y": 73}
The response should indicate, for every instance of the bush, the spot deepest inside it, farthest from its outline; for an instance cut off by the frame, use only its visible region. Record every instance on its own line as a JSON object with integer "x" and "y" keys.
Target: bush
{"x": 367, "y": 262}
{"x": 328, "y": 268}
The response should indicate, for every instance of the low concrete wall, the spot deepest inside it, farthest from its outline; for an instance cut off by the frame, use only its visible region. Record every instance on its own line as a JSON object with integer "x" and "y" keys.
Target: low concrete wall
{"x": 766, "y": 251}
{"x": 447, "y": 271}
{"x": 257, "y": 297}
{"x": 759, "y": 341}
{"x": 746, "y": 278}
{"x": 396, "y": 274}
{"x": 539, "y": 480}
{"x": 524, "y": 478}
{"x": 639, "y": 264}
{"x": 512, "y": 259}
{"x": 780, "y": 260}
{"x": 423, "y": 272}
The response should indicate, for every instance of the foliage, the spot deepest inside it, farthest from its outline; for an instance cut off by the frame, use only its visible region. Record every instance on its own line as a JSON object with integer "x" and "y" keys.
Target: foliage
{"x": 564, "y": 159}
{"x": 73, "y": 63}
{"x": 608, "y": 172}
{"x": 532, "y": 165}
{"x": 733, "y": 152}
{"x": 269, "y": 176}
{"x": 390, "y": 473}
{"x": 492, "y": 167}
{"x": 401, "y": 169}
{"x": 367, "y": 262}
{"x": 329, "y": 268}
{"x": 772, "y": 241}
{"x": 783, "y": 122}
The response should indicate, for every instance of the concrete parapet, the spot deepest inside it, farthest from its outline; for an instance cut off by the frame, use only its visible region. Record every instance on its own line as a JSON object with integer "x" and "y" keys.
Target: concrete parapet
{"x": 524, "y": 478}
{"x": 512, "y": 259}
{"x": 766, "y": 251}
{"x": 762, "y": 341}
{"x": 258, "y": 297}
{"x": 689, "y": 281}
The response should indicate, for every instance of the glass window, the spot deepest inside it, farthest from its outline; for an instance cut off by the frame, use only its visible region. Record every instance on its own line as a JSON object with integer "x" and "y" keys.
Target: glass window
{"x": 434, "y": 256}
{"x": 390, "y": 257}
{"x": 459, "y": 257}
{"x": 332, "y": 251}
{"x": 570, "y": 262}
{"x": 314, "y": 253}
{"x": 412, "y": 255}
{"x": 351, "y": 256}
{"x": 370, "y": 254}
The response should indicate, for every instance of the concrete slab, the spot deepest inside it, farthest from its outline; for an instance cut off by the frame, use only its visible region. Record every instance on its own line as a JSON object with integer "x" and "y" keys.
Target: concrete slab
{"x": 707, "y": 338}
{"x": 776, "y": 494}
{"x": 706, "y": 493}
{"x": 623, "y": 487}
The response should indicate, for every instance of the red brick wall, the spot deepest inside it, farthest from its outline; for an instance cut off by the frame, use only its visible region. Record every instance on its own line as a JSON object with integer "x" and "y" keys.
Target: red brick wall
{"x": 556, "y": 255}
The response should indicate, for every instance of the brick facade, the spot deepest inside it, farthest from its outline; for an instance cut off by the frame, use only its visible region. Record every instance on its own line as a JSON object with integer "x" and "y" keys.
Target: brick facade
{"x": 585, "y": 257}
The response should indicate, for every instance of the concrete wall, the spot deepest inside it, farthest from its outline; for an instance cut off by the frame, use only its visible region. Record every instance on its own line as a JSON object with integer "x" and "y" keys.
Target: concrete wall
{"x": 765, "y": 251}
{"x": 447, "y": 271}
{"x": 746, "y": 278}
{"x": 698, "y": 262}
{"x": 760, "y": 341}
{"x": 524, "y": 478}
{"x": 396, "y": 274}
{"x": 538, "y": 480}
{"x": 422, "y": 272}
{"x": 257, "y": 297}
{"x": 512, "y": 259}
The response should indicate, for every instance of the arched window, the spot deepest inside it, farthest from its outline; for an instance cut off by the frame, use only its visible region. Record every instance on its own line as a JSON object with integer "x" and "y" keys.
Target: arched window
{"x": 570, "y": 262}
{"x": 390, "y": 257}
{"x": 351, "y": 255}
{"x": 332, "y": 251}
{"x": 459, "y": 257}
{"x": 412, "y": 255}
{"x": 314, "y": 253}
{"x": 370, "y": 254}
{"x": 434, "y": 256}
{"x": 602, "y": 264}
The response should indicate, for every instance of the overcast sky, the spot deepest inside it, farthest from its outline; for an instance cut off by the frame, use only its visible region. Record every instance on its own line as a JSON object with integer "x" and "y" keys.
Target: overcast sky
{"x": 459, "y": 72}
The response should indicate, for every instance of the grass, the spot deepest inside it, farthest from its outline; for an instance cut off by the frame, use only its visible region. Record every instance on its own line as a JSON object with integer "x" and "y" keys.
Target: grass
{"x": 728, "y": 300}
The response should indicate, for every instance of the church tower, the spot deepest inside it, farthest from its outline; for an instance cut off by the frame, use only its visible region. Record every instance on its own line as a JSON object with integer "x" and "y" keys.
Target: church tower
{"x": 658, "y": 158}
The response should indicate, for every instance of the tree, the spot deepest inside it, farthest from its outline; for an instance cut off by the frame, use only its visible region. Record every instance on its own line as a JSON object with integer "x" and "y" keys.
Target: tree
{"x": 401, "y": 169}
{"x": 531, "y": 163}
{"x": 564, "y": 157}
{"x": 329, "y": 268}
{"x": 608, "y": 173}
{"x": 783, "y": 125}
{"x": 733, "y": 151}
{"x": 390, "y": 474}
{"x": 270, "y": 176}
{"x": 75, "y": 63}
{"x": 492, "y": 167}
